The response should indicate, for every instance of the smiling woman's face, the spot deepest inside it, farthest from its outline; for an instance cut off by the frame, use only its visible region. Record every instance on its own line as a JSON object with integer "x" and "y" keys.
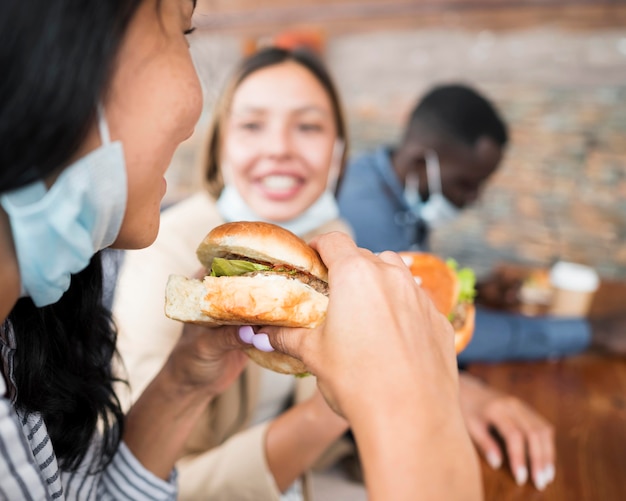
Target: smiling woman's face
{"x": 279, "y": 140}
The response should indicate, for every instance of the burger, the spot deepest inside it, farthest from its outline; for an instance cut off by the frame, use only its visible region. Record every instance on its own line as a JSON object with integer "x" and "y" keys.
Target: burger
{"x": 258, "y": 274}
{"x": 451, "y": 289}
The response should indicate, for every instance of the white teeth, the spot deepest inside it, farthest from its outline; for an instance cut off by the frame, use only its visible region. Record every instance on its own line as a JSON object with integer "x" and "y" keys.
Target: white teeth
{"x": 279, "y": 182}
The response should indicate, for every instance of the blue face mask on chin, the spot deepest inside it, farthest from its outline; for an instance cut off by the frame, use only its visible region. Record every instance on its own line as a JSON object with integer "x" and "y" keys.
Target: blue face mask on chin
{"x": 57, "y": 231}
{"x": 232, "y": 207}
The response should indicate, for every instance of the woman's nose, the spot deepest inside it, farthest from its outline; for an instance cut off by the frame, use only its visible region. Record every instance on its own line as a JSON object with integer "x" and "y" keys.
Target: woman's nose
{"x": 278, "y": 143}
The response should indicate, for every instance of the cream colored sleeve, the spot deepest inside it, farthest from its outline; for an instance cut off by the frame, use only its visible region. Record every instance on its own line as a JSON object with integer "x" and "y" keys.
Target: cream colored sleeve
{"x": 237, "y": 469}
{"x": 145, "y": 335}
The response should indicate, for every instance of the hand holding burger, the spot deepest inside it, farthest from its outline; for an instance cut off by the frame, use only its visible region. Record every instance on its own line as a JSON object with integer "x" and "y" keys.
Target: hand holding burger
{"x": 396, "y": 384}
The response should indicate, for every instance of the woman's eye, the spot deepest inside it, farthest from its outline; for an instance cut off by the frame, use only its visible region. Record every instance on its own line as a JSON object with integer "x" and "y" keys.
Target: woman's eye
{"x": 186, "y": 33}
{"x": 251, "y": 126}
{"x": 307, "y": 127}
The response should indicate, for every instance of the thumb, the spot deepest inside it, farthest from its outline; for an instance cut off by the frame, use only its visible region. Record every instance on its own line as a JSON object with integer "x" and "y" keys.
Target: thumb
{"x": 289, "y": 340}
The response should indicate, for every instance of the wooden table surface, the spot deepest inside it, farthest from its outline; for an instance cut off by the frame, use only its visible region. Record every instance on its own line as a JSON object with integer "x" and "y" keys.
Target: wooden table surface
{"x": 585, "y": 398}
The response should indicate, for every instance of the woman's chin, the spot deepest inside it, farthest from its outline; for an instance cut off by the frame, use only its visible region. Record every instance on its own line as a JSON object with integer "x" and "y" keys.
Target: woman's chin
{"x": 135, "y": 239}
{"x": 278, "y": 213}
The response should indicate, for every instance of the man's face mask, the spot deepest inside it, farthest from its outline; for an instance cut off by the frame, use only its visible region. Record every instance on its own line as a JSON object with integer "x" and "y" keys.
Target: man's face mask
{"x": 437, "y": 211}
{"x": 57, "y": 231}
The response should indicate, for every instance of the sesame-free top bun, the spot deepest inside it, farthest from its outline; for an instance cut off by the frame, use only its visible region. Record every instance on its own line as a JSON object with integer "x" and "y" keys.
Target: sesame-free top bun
{"x": 435, "y": 277}
{"x": 441, "y": 284}
{"x": 260, "y": 241}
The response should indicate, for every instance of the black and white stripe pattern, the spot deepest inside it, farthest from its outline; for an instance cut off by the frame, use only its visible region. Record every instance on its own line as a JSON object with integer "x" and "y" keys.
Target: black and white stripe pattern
{"x": 19, "y": 475}
{"x": 29, "y": 468}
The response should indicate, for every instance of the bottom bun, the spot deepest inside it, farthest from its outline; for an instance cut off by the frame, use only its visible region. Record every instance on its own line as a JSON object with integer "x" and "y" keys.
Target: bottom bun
{"x": 263, "y": 300}
{"x": 277, "y": 362}
{"x": 183, "y": 300}
{"x": 183, "y": 297}
{"x": 463, "y": 336}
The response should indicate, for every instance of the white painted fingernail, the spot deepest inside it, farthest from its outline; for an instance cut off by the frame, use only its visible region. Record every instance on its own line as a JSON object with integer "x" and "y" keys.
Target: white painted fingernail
{"x": 494, "y": 460}
{"x": 541, "y": 480}
{"x": 262, "y": 342}
{"x": 521, "y": 475}
{"x": 246, "y": 334}
{"x": 549, "y": 473}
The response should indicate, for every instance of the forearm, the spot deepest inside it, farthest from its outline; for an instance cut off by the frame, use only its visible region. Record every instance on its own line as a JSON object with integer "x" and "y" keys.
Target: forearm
{"x": 414, "y": 447}
{"x": 297, "y": 438}
{"x": 159, "y": 423}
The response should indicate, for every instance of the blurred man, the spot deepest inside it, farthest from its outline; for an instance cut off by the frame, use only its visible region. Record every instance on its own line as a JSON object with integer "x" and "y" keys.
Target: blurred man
{"x": 392, "y": 197}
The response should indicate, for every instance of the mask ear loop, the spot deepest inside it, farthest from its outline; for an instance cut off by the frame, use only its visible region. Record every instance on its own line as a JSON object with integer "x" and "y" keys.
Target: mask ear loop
{"x": 103, "y": 126}
{"x": 411, "y": 189}
{"x": 433, "y": 172}
{"x": 335, "y": 165}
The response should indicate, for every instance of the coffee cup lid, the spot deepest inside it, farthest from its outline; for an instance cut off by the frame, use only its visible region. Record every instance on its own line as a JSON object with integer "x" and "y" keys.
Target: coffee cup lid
{"x": 574, "y": 277}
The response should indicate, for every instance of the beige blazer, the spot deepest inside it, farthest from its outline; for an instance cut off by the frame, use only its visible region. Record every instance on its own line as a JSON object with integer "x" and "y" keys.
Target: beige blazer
{"x": 224, "y": 458}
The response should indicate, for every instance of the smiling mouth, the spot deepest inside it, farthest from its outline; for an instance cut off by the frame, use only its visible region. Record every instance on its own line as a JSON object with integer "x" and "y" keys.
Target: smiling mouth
{"x": 280, "y": 187}
{"x": 279, "y": 182}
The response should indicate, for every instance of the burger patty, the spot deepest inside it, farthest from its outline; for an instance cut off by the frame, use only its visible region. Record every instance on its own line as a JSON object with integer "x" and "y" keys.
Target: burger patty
{"x": 287, "y": 271}
{"x": 314, "y": 282}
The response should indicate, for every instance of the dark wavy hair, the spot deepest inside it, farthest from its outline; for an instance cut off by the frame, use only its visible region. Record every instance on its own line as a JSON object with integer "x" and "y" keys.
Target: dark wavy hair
{"x": 264, "y": 58}
{"x": 458, "y": 112}
{"x": 57, "y": 58}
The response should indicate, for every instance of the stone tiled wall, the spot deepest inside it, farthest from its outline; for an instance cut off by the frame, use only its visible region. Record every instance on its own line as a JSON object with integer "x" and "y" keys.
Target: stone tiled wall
{"x": 561, "y": 190}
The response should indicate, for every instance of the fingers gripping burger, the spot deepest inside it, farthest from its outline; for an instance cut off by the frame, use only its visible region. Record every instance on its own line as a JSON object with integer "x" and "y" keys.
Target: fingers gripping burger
{"x": 451, "y": 289}
{"x": 259, "y": 274}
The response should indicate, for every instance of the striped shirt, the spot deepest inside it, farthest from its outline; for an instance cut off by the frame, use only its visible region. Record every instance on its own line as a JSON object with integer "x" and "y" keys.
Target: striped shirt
{"x": 29, "y": 468}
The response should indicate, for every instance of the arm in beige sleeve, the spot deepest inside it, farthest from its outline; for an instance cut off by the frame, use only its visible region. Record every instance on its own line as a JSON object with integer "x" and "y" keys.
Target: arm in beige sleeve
{"x": 145, "y": 335}
{"x": 262, "y": 461}
{"x": 299, "y": 436}
{"x": 237, "y": 469}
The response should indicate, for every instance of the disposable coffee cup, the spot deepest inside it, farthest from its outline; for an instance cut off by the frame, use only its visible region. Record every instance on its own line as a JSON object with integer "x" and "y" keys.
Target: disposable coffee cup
{"x": 574, "y": 287}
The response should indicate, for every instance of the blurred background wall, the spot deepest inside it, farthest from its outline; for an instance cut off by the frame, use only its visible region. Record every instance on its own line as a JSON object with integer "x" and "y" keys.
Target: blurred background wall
{"x": 556, "y": 69}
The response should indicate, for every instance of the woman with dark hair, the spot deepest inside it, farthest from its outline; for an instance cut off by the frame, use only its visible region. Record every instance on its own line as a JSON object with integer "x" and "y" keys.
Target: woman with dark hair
{"x": 94, "y": 100}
